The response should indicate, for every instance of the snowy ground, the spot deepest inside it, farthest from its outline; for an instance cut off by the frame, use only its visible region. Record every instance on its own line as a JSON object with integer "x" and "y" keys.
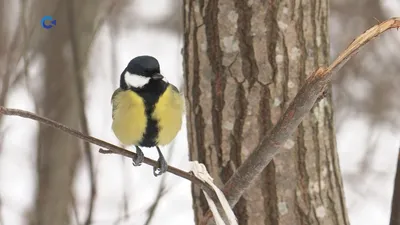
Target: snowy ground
{"x": 368, "y": 193}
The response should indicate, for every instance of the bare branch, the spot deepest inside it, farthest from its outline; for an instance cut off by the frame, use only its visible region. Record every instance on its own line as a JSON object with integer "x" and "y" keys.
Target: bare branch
{"x": 395, "y": 215}
{"x": 152, "y": 209}
{"x": 300, "y": 106}
{"x": 125, "y": 203}
{"x": 100, "y": 23}
{"x": 294, "y": 114}
{"x": 161, "y": 191}
{"x": 80, "y": 59}
{"x": 124, "y": 214}
{"x": 4, "y": 89}
{"x": 79, "y": 83}
{"x": 75, "y": 210}
{"x": 111, "y": 148}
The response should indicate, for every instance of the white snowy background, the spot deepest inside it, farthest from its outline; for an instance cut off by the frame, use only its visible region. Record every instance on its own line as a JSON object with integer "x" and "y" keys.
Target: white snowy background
{"x": 367, "y": 147}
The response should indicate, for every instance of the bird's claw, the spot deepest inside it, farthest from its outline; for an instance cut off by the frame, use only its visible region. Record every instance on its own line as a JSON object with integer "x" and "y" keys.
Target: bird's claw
{"x": 137, "y": 161}
{"x": 162, "y": 165}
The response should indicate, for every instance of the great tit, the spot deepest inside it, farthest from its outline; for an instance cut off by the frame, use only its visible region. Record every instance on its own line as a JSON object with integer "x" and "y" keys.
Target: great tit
{"x": 146, "y": 109}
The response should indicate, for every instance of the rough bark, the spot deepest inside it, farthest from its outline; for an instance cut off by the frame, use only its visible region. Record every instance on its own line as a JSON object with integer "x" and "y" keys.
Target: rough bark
{"x": 244, "y": 62}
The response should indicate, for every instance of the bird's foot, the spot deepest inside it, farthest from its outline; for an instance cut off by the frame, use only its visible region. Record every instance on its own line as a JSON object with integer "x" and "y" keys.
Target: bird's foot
{"x": 161, "y": 168}
{"x": 137, "y": 161}
{"x": 162, "y": 165}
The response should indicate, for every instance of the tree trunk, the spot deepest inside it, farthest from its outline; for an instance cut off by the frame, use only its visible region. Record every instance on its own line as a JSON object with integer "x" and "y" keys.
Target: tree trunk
{"x": 244, "y": 63}
{"x": 58, "y": 153}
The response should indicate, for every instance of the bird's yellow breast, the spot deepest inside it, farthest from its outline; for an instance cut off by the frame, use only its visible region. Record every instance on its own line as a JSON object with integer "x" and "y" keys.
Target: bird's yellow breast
{"x": 129, "y": 118}
{"x": 168, "y": 112}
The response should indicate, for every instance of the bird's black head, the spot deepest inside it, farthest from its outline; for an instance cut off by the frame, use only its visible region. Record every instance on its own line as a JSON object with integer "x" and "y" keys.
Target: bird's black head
{"x": 140, "y": 71}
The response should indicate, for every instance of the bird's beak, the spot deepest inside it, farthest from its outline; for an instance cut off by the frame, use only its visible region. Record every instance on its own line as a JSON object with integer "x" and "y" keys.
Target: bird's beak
{"x": 157, "y": 76}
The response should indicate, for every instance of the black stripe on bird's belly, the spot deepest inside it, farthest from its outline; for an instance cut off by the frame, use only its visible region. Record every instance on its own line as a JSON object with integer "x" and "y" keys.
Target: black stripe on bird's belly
{"x": 151, "y": 133}
{"x": 150, "y": 94}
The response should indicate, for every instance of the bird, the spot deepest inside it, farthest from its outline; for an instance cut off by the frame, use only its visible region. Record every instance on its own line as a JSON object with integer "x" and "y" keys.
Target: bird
{"x": 147, "y": 110}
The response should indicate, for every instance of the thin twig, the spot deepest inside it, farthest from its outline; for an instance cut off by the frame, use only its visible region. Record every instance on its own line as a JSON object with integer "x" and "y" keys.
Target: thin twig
{"x": 4, "y": 89}
{"x": 75, "y": 210}
{"x": 152, "y": 209}
{"x": 80, "y": 62}
{"x": 294, "y": 114}
{"x": 6, "y": 78}
{"x": 79, "y": 65}
{"x": 395, "y": 214}
{"x": 125, "y": 203}
{"x": 123, "y": 213}
{"x": 162, "y": 190}
{"x": 102, "y": 21}
{"x": 111, "y": 148}
{"x": 25, "y": 72}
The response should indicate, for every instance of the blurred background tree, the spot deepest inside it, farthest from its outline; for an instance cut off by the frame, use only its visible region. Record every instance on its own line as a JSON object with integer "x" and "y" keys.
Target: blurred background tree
{"x": 65, "y": 53}
{"x": 68, "y": 74}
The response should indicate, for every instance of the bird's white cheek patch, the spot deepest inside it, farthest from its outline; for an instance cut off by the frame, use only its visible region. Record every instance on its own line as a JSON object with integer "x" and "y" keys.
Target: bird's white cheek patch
{"x": 134, "y": 80}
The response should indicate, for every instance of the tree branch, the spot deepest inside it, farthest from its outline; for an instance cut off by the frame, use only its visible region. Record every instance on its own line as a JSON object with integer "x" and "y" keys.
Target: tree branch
{"x": 294, "y": 114}
{"x": 79, "y": 63}
{"x": 111, "y": 148}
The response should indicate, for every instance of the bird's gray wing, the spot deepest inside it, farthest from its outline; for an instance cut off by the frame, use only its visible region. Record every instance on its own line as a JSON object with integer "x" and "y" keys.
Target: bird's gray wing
{"x": 114, "y": 104}
{"x": 181, "y": 101}
{"x": 174, "y": 88}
